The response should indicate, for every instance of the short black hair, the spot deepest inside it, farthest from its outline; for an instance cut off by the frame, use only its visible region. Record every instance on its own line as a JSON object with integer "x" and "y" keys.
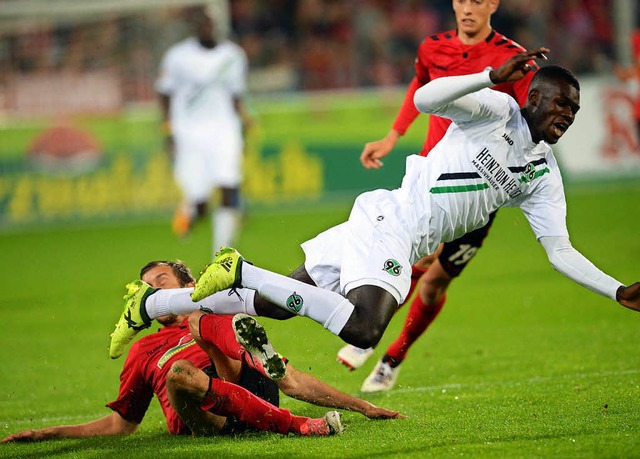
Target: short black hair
{"x": 182, "y": 271}
{"x": 555, "y": 72}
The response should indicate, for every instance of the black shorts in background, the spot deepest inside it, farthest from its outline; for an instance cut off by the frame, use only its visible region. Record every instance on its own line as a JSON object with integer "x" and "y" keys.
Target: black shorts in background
{"x": 458, "y": 253}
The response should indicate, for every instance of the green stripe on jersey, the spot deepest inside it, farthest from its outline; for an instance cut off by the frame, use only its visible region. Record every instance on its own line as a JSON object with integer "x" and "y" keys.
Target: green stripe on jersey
{"x": 458, "y": 189}
{"x": 537, "y": 174}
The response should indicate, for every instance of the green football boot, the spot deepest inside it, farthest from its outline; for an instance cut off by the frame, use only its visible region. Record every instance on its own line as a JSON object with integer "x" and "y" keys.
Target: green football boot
{"x": 134, "y": 317}
{"x": 225, "y": 271}
{"x": 252, "y": 336}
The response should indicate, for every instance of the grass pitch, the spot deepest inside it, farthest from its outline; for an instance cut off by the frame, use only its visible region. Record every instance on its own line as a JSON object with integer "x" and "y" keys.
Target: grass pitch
{"x": 521, "y": 363}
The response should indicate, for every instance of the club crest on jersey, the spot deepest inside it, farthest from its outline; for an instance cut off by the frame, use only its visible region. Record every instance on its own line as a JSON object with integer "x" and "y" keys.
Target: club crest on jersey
{"x": 392, "y": 267}
{"x": 295, "y": 302}
{"x": 529, "y": 173}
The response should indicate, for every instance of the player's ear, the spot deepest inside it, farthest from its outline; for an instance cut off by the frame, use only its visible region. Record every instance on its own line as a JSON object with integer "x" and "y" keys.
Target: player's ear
{"x": 533, "y": 98}
{"x": 494, "y": 5}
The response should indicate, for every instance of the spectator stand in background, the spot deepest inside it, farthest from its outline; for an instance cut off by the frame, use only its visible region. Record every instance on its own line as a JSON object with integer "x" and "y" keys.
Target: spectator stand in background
{"x": 98, "y": 71}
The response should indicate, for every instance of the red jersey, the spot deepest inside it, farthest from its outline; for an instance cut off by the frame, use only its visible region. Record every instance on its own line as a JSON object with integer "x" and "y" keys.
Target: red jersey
{"x": 445, "y": 55}
{"x": 145, "y": 371}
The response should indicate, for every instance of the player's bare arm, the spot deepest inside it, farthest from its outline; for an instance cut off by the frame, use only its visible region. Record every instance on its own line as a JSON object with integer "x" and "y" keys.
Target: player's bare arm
{"x": 374, "y": 151}
{"x": 113, "y": 424}
{"x": 518, "y": 66}
{"x": 629, "y": 297}
{"x": 303, "y": 386}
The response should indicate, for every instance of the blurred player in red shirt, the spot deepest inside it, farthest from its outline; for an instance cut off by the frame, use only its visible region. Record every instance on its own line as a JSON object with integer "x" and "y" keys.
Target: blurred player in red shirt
{"x": 206, "y": 383}
{"x": 472, "y": 47}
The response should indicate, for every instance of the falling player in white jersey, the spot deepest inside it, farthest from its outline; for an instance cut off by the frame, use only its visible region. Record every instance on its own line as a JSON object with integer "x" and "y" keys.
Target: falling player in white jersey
{"x": 494, "y": 154}
{"x": 201, "y": 85}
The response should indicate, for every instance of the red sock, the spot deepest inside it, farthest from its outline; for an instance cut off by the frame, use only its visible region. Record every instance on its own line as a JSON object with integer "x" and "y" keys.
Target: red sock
{"x": 217, "y": 330}
{"x": 227, "y": 399}
{"x": 418, "y": 319}
{"x": 416, "y": 274}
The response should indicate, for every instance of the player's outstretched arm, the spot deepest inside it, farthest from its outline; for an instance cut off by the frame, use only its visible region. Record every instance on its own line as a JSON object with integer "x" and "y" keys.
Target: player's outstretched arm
{"x": 113, "y": 424}
{"x": 629, "y": 297}
{"x": 305, "y": 387}
{"x": 373, "y": 152}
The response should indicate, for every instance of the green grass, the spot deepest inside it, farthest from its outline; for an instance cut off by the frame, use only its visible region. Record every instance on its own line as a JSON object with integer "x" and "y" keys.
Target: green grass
{"x": 521, "y": 363}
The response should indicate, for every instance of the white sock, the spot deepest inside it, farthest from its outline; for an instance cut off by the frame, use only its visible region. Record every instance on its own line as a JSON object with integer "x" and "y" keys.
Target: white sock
{"x": 178, "y": 301}
{"x": 329, "y": 309}
{"x": 225, "y": 226}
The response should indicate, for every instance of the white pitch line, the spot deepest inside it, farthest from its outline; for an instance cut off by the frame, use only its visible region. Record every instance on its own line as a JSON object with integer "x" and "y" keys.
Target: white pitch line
{"x": 513, "y": 383}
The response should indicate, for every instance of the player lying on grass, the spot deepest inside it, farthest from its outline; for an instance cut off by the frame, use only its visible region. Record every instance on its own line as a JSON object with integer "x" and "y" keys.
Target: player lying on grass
{"x": 355, "y": 274}
{"x": 202, "y": 398}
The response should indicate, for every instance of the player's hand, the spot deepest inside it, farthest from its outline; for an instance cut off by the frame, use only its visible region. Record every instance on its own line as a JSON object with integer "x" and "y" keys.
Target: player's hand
{"x": 25, "y": 436}
{"x": 373, "y": 152}
{"x": 517, "y": 66}
{"x": 629, "y": 297}
{"x": 375, "y": 412}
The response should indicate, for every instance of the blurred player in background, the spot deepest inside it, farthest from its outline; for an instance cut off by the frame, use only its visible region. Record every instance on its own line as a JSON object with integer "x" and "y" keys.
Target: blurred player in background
{"x": 469, "y": 49}
{"x": 205, "y": 381}
{"x": 201, "y": 85}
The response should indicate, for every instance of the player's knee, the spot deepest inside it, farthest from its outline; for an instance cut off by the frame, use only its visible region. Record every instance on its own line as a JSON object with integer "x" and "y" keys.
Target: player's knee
{"x": 373, "y": 309}
{"x": 365, "y": 338}
{"x": 432, "y": 293}
{"x": 434, "y": 284}
{"x": 363, "y": 332}
{"x": 180, "y": 375}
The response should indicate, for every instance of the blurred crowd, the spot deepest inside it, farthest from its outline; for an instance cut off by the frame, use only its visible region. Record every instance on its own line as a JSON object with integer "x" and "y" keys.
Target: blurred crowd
{"x": 333, "y": 43}
{"x": 308, "y": 44}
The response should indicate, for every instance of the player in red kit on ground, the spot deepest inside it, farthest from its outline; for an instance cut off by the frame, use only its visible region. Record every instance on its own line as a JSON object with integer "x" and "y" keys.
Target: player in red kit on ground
{"x": 206, "y": 382}
{"x": 471, "y": 48}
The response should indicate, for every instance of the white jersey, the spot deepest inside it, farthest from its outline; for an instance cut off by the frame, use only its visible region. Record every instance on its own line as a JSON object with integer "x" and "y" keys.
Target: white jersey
{"x": 486, "y": 160}
{"x": 202, "y": 84}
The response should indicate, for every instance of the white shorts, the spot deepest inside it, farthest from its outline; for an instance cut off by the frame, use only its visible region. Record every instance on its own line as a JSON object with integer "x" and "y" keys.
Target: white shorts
{"x": 371, "y": 248}
{"x": 207, "y": 160}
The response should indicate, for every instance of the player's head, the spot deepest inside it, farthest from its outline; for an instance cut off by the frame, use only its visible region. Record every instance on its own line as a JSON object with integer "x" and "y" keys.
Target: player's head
{"x": 167, "y": 274}
{"x": 201, "y": 22}
{"x": 552, "y": 103}
{"x": 473, "y": 17}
